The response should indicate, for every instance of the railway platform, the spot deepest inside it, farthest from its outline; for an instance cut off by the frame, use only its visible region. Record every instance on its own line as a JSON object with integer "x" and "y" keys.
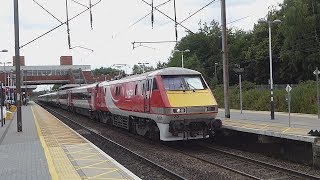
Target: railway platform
{"x": 259, "y": 122}
{"x": 48, "y": 149}
{"x": 292, "y": 137}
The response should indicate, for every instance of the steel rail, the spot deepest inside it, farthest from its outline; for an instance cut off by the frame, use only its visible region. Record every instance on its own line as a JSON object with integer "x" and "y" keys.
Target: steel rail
{"x": 169, "y": 172}
{"x": 217, "y": 164}
{"x": 285, "y": 170}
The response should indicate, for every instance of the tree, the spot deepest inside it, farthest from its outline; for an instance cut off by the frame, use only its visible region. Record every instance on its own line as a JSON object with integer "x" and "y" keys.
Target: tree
{"x": 161, "y": 65}
{"x": 105, "y": 71}
{"x": 137, "y": 69}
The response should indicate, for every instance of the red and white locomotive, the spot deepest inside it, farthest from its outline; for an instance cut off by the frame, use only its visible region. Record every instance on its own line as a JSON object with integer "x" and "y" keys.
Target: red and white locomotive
{"x": 168, "y": 104}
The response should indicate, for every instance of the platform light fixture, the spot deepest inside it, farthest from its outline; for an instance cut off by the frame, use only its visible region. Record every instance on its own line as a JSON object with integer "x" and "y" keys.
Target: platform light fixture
{"x": 277, "y": 21}
{"x": 143, "y": 64}
{"x": 187, "y": 50}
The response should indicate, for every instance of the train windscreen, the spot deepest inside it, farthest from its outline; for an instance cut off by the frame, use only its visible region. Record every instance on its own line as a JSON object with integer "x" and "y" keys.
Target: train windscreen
{"x": 194, "y": 82}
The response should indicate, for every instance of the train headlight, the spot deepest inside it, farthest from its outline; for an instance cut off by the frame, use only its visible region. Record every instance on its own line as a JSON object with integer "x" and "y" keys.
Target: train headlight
{"x": 211, "y": 109}
{"x": 178, "y": 110}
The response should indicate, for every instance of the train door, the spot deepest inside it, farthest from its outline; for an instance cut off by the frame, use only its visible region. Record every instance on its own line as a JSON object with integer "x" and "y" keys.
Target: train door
{"x": 147, "y": 87}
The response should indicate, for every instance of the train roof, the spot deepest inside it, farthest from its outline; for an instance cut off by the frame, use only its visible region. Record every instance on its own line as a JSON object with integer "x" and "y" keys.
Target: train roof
{"x": 174, "y": 71}
{"x": 83, "y": 87}
{"x": 162, "y": 72}
{"x": 52, "y": 93}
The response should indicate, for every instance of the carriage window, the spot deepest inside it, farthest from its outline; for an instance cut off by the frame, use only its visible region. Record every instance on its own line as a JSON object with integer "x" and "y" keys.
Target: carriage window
{"x": 135, "y": 90}
{"x": 148, "y": 84}
{"x": 118, "y": 90}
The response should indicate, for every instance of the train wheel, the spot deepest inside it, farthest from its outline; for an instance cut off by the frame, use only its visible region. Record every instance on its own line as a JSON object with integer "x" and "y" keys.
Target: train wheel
{"x": 154, "y": 132}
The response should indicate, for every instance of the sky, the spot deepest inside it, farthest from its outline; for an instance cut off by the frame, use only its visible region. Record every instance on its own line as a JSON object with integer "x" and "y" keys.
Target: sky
{"x": 112, "y": 34}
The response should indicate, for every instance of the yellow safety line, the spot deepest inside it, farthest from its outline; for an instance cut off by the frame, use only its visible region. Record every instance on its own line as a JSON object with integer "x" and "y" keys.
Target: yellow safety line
{"x": 93, "y": 177}
{"x": 98, "y": 168}
{"x": 286, "y": 130}
{"x": 92, "y": 164}
{"x": 52, "y": 169}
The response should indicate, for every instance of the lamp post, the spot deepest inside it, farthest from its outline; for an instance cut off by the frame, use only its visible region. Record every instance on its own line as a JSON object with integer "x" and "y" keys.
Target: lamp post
{"x": 239, "y": 71}
{"x": 187, "y": 50}
{"x": 143, "y": 65}
{"x": 270, "y": 54}
{"x": 4, "y": 51}
{"x": 215, "y": 72}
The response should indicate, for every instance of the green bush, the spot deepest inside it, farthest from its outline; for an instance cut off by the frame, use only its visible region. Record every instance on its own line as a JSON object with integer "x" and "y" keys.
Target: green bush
{"x": 303, "y": 98}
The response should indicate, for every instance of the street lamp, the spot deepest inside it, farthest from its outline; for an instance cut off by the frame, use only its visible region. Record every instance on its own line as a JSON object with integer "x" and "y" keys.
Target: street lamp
{"x": 239, "y": 71}
{"x": 277, "y": 21}
{"x": 143, "y": 65}
{"x": 187, "y": 50}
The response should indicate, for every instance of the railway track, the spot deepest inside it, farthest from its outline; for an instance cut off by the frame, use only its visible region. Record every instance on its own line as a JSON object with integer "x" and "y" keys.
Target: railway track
{"x": 94, "y": 137}
{"x": 245, "y": 166}
{"x": 266, "y": 164}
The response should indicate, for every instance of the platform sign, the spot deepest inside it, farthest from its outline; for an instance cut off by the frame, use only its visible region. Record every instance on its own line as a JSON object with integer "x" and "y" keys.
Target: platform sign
{"x": 316, "y": 72}
{"x": 288, "y": 89}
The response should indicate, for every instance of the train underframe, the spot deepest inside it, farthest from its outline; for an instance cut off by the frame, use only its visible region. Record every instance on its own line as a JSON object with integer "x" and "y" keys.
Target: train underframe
{"x": 175, "y": 130}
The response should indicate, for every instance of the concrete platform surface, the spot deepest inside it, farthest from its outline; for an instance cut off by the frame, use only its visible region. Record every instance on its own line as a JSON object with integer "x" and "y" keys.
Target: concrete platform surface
{"x": 259, "y": 122}
{"x": 48, "y": 149}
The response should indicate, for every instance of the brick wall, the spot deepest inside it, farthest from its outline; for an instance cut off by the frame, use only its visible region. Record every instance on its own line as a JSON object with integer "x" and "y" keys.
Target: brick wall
{"x": 22, "y": 61}
{"x": 66, "y": 60}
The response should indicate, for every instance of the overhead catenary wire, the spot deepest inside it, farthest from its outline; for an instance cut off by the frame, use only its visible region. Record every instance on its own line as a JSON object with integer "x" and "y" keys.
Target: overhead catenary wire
{"x": 198, "y": 11}
{"x": 184, "y": 19}
{"x": 136, "y": 22}
{"x": 169, "y": 17}
{"x": 59, "y": 25}
{"x": 46, "y": 10}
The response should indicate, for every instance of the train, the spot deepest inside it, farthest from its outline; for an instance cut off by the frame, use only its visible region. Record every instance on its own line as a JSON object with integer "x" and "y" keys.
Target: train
{"x": 169, "y": 104}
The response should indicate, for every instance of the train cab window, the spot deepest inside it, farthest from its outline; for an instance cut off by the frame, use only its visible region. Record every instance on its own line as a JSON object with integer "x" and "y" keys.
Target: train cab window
{"x": 155, "y": 85}
{"x": 188, "y": 82}
{"x": 173, "y": 83}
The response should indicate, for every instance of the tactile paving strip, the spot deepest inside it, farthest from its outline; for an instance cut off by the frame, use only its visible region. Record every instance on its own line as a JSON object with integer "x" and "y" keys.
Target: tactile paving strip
{"x": 72, "y": 156}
